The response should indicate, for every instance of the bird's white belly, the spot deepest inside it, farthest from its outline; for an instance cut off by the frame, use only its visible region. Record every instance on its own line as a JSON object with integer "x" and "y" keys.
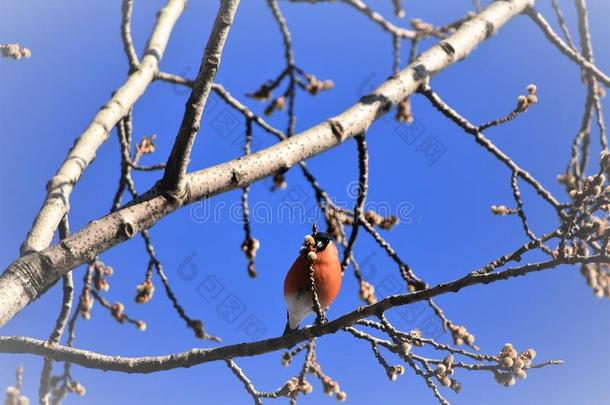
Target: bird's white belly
{"x": 299, "y": 306}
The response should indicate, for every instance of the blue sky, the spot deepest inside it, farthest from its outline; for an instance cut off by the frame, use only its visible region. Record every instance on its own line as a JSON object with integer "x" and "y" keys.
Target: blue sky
{"x": 447, "y": 229}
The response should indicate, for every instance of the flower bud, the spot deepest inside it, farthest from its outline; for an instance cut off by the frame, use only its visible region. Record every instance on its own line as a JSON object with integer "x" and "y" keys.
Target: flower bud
{"x": 312, "y": 257}
{"x": 309, "y": 241}
{"x": 506, "y": 362}
{"x": 531, "y": 89}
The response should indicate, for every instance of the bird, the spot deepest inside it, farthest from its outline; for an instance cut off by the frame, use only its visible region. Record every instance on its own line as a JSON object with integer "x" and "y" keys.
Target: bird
{"x": 320, "y": 250}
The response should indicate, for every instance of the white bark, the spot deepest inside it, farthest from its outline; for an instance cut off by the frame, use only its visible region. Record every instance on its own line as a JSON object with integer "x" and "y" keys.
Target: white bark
{"x": 175, "y": 170}
{"x": 83, "y": 152}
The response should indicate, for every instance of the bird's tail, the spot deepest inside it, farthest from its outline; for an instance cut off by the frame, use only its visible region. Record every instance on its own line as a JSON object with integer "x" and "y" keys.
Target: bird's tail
{"x": 288, "y": 329}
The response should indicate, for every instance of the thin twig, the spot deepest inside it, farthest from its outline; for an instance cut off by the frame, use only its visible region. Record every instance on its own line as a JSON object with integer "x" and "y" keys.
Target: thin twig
{"x": 566, "y": 49}
{"x": 132, "y": 56}
{"x": 60, "y": 324}
{"x": 489, "y": 146}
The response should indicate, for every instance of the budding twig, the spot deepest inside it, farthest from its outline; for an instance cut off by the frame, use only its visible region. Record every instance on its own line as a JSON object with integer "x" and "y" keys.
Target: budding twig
{"x": 250, "y": 245}
{"x": 449, "y": 112}
{"x": 363, "y": 178}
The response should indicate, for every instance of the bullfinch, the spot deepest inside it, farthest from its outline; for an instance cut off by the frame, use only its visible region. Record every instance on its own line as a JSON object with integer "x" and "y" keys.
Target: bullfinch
{"x": 327, "y": 278}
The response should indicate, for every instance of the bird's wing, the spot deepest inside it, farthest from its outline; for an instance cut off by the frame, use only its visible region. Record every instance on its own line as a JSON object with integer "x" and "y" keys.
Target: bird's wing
{"x": 304, "y": 289}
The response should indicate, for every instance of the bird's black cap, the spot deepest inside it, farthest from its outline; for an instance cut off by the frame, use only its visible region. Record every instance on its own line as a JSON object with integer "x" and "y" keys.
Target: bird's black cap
{"x": 322, "y": 240}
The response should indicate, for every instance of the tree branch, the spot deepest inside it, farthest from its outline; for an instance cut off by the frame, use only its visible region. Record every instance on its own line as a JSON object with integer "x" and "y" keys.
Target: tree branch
{"x": 379, "y": 20}
{"x": 565, "y": 49}
{"x": 373, "y": 16}
{"x": 175, "y": 170}
{"x": 60, "y": 324}
{"x": 83, "y": 152}
{"x": 132, "y": 56}
{"x": 194, "y": 357}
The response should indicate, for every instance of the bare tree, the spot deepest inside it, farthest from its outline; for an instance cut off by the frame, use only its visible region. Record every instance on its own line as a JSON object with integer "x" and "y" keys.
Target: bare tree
{"x": 580, "y": 237}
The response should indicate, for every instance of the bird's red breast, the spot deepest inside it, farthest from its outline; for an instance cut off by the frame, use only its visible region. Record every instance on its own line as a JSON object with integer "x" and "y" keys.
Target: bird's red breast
{"x": 327, "y": 275}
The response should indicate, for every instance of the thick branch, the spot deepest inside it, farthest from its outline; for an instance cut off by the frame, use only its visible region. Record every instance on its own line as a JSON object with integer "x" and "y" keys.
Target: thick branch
{"x": 199, "y": 356}
{"x": 83, "y": 152}
{"x": 30, "y": 276}
{"x": 175, "y": 170}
